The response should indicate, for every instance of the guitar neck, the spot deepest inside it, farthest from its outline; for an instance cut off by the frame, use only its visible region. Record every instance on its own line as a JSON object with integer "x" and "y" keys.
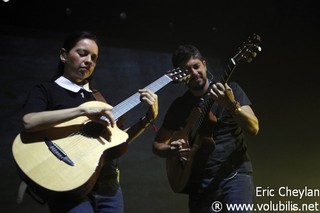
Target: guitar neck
{"x": 134, "y": 99}
{"x": 208, "y": 102}
{"x": 228, "y": 71}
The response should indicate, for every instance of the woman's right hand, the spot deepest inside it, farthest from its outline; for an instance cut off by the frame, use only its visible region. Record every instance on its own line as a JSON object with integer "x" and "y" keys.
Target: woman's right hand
{"x": 99, "y": 114}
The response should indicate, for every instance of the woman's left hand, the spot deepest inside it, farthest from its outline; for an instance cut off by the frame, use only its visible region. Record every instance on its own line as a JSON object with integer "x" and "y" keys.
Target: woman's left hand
{"x": 152, "y": 99}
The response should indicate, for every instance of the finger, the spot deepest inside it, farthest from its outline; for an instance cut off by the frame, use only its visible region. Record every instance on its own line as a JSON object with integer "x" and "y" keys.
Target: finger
{"x": 213, "y": 93}
{"x": 183, "y": 160}
{"x": 184, "y": 150}
{"x": 148, "y": 93}
{"x": 149, "y": 100}
{"x": 147, "y": 97}
{"x": 220, "y": 87}
{"x": 219, "y": 90}
{"x": 182, "y": 141}
{"x": 144, "y": 92}
{"x": 174, "y": 146}
{"x": 228, "y": 88}
{"x": 110, "y": 118}
{"x": 215, "y": 88}
{"x": 153, "y": 95}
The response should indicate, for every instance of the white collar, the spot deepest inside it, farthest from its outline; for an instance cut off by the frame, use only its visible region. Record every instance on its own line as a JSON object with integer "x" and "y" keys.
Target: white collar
{"x": 67, "y": 84}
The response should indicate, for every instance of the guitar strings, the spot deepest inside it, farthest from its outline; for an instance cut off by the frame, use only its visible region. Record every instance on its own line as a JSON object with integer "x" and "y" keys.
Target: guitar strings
{"x": 92, "y": 147}
{"x": 211, "y": 76}
{"x": 77, "y": 140}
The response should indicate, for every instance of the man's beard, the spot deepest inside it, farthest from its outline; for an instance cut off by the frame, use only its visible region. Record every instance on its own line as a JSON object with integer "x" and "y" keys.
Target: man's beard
{"x": 198, "y": 86}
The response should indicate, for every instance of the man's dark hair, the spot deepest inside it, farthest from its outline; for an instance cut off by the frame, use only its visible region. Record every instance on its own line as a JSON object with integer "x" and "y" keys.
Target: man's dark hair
{"x": 183, "y": 53}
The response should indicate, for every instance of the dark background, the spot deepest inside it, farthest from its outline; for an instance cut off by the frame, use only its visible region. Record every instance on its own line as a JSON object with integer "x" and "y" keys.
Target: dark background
{"x": 137, "y": 40}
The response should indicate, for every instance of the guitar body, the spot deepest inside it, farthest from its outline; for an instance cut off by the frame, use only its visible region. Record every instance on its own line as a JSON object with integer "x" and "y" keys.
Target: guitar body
{"x": 65, "y": 160}
{"x": 179, "y": 173}
{"x": 82, "y": 141}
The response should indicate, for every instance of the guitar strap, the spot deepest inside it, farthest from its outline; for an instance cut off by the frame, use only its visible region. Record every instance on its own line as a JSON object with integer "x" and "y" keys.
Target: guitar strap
{"x": 97, "y": 95}
{"x": 34, "y": 194}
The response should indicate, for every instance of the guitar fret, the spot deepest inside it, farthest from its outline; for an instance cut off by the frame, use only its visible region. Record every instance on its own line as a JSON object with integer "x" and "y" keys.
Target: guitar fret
{"x": 227, "y": 72}
{"x": 134, "y": 100}
{"x": 208, "y": 102}
{"x": 79, "y": 143}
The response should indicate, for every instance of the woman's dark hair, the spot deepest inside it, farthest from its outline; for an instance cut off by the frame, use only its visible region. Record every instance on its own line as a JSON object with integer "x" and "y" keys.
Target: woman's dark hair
{"x": 183, "y": 53}
{"x": 70, "y": 42}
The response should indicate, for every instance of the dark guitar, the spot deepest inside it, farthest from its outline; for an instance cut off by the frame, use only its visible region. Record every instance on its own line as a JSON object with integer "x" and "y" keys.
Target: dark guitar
{"x": 67, "y": 157}
{"x": 202, "y": 119}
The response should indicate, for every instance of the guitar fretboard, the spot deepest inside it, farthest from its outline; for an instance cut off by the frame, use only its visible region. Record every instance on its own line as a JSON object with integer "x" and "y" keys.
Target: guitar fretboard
{"x": 208, "y": 101}
{"x": 228, "y": 71}
{"x": 134, "y": 99}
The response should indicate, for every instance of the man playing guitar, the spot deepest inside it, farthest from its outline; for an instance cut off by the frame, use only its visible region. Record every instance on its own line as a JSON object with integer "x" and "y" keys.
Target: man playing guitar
{"x": 216, "y": 156}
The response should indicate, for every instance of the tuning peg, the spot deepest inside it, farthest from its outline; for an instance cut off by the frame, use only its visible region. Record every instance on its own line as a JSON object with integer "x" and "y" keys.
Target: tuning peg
{"x": 185, "y": 80}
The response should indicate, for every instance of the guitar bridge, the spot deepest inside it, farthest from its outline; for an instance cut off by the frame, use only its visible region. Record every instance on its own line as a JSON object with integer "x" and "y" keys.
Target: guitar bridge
{"x": 58, "y": 152}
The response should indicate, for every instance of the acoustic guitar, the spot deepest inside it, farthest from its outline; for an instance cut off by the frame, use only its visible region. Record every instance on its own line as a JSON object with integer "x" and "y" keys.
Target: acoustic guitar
{"x": 67, "y": 157}
{"x": 200, "y": 142}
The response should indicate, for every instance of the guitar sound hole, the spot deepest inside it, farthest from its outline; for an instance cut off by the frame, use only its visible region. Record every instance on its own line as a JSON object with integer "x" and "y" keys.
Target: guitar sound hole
{"x": 93, "y": 129}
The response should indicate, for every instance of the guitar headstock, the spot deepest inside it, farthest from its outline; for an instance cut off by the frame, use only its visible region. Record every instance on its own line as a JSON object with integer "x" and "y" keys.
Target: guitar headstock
{"x": 179, "y": 75}
{"x": 248, "y": 50}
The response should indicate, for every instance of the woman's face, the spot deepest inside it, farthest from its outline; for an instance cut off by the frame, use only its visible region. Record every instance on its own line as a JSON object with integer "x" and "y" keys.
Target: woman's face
{"x": 80, "y": 61}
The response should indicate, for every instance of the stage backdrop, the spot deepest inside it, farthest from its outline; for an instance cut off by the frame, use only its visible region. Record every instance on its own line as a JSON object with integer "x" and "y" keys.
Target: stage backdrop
{"x": 281, "y": 82}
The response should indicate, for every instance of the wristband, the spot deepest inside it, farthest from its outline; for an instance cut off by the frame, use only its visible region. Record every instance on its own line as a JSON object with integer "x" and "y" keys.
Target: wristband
{"x": 235, "y": 108}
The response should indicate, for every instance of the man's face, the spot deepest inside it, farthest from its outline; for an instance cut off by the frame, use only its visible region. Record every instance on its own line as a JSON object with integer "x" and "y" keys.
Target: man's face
{"x": 198, "y": 71}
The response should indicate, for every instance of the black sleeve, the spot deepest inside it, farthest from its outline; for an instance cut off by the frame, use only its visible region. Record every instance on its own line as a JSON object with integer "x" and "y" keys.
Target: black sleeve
{"x": 37, "y": 100}
{"x": 239, "y": 94}
{"x": 178, "y": 113}
{"x": 170, "y": 120}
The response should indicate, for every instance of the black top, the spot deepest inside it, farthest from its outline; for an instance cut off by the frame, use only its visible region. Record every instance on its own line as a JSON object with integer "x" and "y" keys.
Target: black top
{"x": 51, "y": 96}
{"x": 227, "y": 134}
